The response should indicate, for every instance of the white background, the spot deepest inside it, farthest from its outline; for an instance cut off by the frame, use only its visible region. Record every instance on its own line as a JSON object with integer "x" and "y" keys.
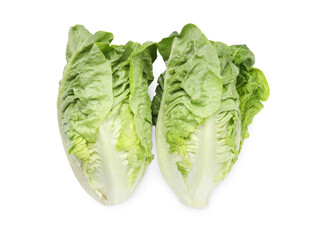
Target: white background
{"x": 267, "y": 195}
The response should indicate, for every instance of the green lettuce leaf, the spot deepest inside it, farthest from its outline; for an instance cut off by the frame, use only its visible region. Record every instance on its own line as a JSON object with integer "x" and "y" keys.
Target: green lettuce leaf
{"x": 157, "y": 98}
{"x": 192, "y": 88}
{"x": 252, "y": 86}
{"x": 77, "y": 35}
{"x": 141, "y": 76}
{"x": 104, "y": 112}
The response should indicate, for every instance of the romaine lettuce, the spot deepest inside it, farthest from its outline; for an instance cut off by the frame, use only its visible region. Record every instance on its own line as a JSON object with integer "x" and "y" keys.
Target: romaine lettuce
{"x": 204, "y": 102}
{"x": 104, "y": 112}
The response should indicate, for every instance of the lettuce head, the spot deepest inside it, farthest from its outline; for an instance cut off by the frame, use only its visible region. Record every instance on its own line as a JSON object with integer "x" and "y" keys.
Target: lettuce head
{"x": 204, "y": 103}
{"x": 104, "y": 112}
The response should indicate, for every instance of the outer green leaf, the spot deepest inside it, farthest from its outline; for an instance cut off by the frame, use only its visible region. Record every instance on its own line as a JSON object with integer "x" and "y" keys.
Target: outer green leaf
{"x": 76, "y": 37}
{"x": 157, "y": 98}
{"x": 192, "y": 89}
{"x": 141, "y": 75}
{"x": 85, "y": 96}
{"x": 227, "y": 119}
{"x": 252, "y": 86}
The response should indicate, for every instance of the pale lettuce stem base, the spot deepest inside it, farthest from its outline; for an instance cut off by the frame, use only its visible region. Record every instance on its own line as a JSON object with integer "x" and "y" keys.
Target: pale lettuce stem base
{"x": 114, "y": 166}
{"x": 200, "y": 180}
{"x": 194, "y": 188}
{"x": 84, "y": 182}
{"x": 108, "y": 183}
